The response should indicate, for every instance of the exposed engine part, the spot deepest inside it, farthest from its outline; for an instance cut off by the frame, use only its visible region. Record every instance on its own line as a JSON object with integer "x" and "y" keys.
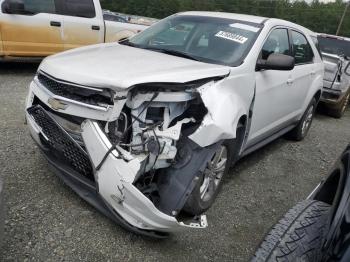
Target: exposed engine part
{"x": 152, "y": 134}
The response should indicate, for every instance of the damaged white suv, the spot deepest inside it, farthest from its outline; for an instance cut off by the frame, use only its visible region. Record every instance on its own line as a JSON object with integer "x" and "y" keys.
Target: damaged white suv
{"x": 146, "y": 129}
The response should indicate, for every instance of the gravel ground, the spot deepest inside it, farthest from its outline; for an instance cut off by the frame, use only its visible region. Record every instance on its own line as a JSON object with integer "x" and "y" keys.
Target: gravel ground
{"x": 46, "y": 221}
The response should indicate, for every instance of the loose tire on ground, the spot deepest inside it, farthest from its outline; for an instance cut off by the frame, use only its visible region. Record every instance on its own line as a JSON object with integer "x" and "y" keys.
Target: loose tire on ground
{"x": 298, "y": 236}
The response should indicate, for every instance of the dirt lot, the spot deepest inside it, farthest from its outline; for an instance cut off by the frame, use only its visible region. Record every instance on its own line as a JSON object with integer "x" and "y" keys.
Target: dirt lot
{"x": 46, "y": 221}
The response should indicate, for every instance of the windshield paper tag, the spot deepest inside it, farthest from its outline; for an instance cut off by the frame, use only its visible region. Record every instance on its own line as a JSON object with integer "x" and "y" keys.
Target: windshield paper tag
{"x": 232, "y": 36}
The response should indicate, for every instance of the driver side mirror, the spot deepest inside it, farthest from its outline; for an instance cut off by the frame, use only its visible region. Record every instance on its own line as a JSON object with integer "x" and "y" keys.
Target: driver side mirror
{"x": 276, "y": 62}
{"x": 13, "y": 7}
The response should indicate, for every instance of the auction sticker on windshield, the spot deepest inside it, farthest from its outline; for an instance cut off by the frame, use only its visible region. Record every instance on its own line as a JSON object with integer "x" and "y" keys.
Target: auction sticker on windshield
{"x": 232, "y": 36}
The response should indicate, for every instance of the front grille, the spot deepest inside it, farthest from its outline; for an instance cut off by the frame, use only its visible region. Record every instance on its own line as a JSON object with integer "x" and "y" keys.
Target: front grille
{"x": 61, "y": 144}
{"x": 96, "y": 97}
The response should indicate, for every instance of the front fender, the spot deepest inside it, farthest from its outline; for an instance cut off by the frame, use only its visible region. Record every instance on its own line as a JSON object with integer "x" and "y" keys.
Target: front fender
{"x": 225, "y": 109}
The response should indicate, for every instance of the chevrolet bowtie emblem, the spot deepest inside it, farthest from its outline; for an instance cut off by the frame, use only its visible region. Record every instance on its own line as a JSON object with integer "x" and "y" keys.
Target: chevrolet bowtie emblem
{"x": 56, "y": 104}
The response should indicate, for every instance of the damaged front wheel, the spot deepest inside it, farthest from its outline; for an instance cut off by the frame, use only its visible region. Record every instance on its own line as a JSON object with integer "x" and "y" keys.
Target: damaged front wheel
{"x": 209, "y": 183}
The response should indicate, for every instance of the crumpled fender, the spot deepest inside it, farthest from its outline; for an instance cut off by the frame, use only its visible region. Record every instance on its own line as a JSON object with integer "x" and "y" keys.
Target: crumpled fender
{"x": 225, "y": 108}
{"x": 115, "y": 185}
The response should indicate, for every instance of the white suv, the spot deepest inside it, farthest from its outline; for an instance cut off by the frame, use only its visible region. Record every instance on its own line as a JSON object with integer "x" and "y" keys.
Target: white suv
{"x": 147, "y": 128}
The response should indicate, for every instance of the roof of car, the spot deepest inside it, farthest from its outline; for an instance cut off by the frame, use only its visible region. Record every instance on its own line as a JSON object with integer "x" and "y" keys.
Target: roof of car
{"x": 334, "y": 36}
{"x": 249, "y": 18}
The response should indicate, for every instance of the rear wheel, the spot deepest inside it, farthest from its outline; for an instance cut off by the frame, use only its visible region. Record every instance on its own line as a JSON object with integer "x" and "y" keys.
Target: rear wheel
{"x": 209, "y": 183}
{"x": 299, "y": 236}
{"x": 302, "y": 129}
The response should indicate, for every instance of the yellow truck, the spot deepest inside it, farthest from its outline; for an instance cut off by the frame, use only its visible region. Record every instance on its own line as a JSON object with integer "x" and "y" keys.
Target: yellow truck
{"x": 38, "y": 28}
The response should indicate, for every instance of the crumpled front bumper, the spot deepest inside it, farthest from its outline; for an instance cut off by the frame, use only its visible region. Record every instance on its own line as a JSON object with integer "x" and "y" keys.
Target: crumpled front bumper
{"x": 113, "y": 192}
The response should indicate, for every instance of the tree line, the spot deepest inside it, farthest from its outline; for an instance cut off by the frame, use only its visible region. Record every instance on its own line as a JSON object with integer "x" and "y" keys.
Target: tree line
{"x": 317, "y": 16}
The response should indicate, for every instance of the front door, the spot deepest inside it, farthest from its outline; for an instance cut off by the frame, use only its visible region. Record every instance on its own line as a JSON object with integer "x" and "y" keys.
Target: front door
{"x": 35, "y": 32}
{"x": 272, "y": 106}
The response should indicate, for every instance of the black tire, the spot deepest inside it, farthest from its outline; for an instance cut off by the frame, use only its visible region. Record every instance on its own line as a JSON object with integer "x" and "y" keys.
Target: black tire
{"x": 299, "y": 133}
{"x": 339, "y": 111}
{"x": 298, "y": 236}
{"x": 195, "y": 204}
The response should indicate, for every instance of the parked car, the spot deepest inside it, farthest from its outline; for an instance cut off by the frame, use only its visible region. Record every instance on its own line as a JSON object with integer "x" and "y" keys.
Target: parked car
{"x": 31, "y": 29}
{"x": 111, "y": 16}
{"x": 124, "y": 18}
{"x": 318, "y": 228}
{"x": 146, "y": 129}
{"x": 336, "y": 56}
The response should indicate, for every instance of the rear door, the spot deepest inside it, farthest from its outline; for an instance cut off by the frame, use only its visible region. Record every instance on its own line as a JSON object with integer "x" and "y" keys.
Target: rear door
{"x": 35, "y": 32}
{"x": 83, "y": 23}
{"x": 304, "y": 72}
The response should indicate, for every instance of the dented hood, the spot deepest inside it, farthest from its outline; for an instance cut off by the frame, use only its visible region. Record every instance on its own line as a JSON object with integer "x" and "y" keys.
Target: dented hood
{"x": 120, "y": 67}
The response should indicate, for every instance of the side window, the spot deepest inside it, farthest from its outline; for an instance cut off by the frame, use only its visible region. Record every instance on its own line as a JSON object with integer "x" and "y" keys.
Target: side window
{"x": 80, "y": 8}
{"x": 317, "y": 44}
{"x": 302, "y": 51}
{"x": 277, "y": 42}
{"x": 39, "y": 6}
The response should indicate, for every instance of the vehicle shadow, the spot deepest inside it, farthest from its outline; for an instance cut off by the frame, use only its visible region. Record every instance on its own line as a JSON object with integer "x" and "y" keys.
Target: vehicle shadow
{"x": 18, "y": 67}
{"x": 266, "y": 150}
{"x": 256, "y": 156}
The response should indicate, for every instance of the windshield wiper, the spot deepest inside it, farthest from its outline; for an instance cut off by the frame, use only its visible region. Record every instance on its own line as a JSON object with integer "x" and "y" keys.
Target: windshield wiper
{"x": 173, "y": 52}
{"x": 128, "y": 43}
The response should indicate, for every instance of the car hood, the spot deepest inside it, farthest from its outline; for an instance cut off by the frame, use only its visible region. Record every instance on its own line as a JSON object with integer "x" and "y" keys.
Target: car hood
{"x": 120, "y": 67}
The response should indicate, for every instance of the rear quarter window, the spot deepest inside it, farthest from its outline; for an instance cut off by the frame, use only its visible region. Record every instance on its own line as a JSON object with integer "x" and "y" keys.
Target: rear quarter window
{"x": 317, "y": 44}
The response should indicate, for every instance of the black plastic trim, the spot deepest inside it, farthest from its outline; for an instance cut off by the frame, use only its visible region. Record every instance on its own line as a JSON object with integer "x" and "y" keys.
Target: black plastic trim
{"x": 88, "y": 191}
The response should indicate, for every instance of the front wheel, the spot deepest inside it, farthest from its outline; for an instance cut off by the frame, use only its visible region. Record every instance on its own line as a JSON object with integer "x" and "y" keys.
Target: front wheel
{"x": 209, "y": 183}
{"x": 303, "y": 127}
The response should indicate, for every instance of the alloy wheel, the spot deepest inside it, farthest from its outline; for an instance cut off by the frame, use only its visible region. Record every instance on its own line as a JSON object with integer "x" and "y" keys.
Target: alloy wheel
{"x": 308, "y": 120}
{"x": 213, "y": 174}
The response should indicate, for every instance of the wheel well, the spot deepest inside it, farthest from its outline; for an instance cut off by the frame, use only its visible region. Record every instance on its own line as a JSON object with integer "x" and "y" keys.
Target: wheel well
{"x": 317, "y": 96}
{"x": 330, "y": 187}
{"x": 242, "y": 121}
{"x": 236, "y": 144}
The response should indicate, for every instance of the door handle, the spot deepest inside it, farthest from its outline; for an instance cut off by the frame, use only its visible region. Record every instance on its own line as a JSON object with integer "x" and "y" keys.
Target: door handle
{"x": 313, "y": 73}
{"x": 95, "y": 27}
{"x": 56, "y": 24}
{"x": 290, "y": 81}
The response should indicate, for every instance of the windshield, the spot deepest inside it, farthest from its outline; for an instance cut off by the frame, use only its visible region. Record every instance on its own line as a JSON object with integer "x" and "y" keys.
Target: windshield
{"x": 334, "y": 46}
{"x": 205, "y": 39}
